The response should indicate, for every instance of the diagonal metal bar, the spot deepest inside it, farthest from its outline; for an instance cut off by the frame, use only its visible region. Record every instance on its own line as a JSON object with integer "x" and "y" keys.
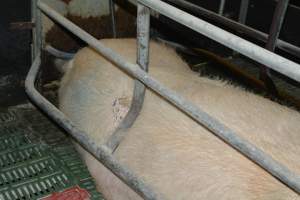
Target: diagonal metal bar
{"x": 100, "y": 152}
{"x": 275, "y": 168}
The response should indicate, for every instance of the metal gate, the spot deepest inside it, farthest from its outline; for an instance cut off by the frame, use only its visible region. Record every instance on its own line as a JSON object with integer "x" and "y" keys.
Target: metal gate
{"x": 139, "y": 71}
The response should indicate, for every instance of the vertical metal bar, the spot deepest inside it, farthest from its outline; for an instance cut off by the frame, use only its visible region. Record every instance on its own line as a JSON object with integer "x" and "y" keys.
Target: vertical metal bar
{"x": 143, "y": 35}
{"x": 113, "y": 18}
{"x": 277, "y": 22}
{"x": 37, "y": 30}
{"x": 243, "y": 11}
{"x": 275, "y": 29}
{"x": 221, "y": 7}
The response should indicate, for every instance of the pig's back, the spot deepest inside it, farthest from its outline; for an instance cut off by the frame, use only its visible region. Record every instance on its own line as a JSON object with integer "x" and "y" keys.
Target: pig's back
{"x": 171, "y": 152}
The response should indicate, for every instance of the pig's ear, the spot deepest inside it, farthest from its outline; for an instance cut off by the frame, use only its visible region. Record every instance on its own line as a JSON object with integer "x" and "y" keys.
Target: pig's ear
{"x": 63, "y": 65}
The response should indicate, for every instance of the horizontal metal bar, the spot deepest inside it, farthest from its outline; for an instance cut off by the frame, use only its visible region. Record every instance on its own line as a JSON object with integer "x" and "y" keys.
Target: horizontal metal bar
{"x": 234, "y": 42}
{"x": 285, "y": 46}
{"x": 249, "y": 150}
{"x": 100, "y": 152}
{"x": 21, "y": 25}
{"x": 59, "y": 54}
{"x": 291, "y": 5}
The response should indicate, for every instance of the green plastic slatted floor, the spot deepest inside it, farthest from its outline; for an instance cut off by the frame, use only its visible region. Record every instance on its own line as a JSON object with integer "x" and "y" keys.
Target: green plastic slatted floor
{"x": 37, "y": 159}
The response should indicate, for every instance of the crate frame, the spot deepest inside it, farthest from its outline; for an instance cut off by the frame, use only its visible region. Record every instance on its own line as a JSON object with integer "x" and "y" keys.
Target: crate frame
{"x": 139, "y": 71}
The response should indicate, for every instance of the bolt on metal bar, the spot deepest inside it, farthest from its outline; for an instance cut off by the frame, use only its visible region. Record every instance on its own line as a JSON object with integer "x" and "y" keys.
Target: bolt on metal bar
{"x": 113, "y": 18}
{"x": 100, "y": 152}
{"x": 277, "y": 21}
{"x": 261, "y": 55}
{"x": 221, "y": 7}
{"x": 249, "y": 150}
{"x": 287, "y": 47}
{"x": 243, "y": 11}
{"x": 143, "y": 30}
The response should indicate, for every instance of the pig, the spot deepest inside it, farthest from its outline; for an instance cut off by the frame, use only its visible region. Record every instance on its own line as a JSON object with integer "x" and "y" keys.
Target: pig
{"x": 60, "y": 7}
{"x": 174, "y": 155}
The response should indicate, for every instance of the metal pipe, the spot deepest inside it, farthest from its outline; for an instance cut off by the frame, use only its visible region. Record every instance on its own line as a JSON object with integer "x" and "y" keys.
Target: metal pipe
{"x": 113, "y": 18}
{"x": 249, "y": 150}
{"x": 234, "y": 42}
{"x": 59, "y": 54}
{"x": 292, "y": 49}
{"x": 221, "y": 7}
{"x": 243, "y": 11}
{"x": 100, "y": 152}
{"x": 143, "y": 30}
{"x": 278, "y": 18}
{"x": 37, "y": 29}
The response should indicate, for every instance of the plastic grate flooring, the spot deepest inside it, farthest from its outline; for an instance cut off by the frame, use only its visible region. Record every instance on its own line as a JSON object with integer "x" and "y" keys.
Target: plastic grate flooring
{"x": 37, "y": 159}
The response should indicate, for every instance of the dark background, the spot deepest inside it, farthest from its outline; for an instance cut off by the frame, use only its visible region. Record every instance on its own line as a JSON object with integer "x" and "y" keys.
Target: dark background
{"x": 14, "y": 52}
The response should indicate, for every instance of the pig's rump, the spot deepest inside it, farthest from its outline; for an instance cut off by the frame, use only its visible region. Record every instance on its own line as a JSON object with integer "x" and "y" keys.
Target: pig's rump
{"x": 173, "y": 154}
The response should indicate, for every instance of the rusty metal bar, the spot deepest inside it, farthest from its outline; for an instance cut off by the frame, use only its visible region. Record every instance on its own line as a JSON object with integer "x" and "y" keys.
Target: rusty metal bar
{"x": 143, "y": 30}
{"x": 275, "y": 168}
{"x": 287, "y": 47}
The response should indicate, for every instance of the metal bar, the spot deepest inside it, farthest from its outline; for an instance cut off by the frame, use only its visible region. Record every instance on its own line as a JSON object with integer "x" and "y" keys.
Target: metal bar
{"x": 21, "y": 26}
{"x": 37, "y": 29}
{"x": 59, "y": 54}
{"x": 243, "y": 11}
{"x": 276, "y": 25}
{"x": 249, "y": 150}
{"x": 221, "y": 7}
{"x": 143, "y": 30}
{"x": 113, "y": 18}
{"x": 234, "y": 42}
{"x": 292, "y": 49}
{"x": 278, "y": 18}
{"x": 100, "y": 152}
{"x": 291, "y": 5}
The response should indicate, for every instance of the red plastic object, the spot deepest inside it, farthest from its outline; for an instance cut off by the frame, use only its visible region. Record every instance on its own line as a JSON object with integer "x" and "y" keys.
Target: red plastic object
{"x": 74, "y": 193}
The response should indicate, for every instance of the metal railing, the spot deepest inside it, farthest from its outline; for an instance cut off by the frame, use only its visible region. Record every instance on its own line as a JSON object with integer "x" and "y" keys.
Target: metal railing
{"x": 104, "y": 152}
{"x": 285, "y": 46}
